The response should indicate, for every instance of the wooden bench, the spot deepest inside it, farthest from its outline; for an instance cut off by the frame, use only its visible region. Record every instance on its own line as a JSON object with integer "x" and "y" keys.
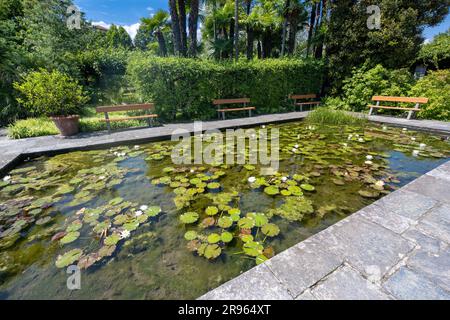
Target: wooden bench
{"x": 243, "y": 101}
{"x": 411, "y": 111}
{"x": 127, "y": 107}
{"x": 299, "y": 100}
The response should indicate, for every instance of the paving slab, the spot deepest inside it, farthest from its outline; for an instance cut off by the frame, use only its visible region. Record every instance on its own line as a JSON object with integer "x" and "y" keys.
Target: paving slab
{"x": 346, "y": 283}
{"x": 437, "y": 222}
{"x": 435, "y": 188}
{"x": 427, "y": 125}
{"x": 407, "y": 284}
{"x": 442, "y": 172}
{"x": 301, "y": 266}
{"x": 260, "y": 284}
{"x": 424, "y": 241}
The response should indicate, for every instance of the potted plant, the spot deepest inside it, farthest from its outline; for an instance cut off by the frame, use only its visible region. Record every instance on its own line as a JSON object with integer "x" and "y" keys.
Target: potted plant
{"x": 55, "y": 95}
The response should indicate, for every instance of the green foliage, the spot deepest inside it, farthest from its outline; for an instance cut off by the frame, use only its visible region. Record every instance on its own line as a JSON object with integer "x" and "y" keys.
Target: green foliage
{"x": 184, "y": 88}
{"x": 365, "y": 83}
{"x": 117, "y": 37}
{"x": 437, "y": 52}
{"x": 436, "y": 87}
{"x": 53, "y": 93}
{"x": 327, "y": 116}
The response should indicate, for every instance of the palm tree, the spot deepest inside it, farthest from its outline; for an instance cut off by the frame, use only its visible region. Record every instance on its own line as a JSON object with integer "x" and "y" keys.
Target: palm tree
{"x": 193, "y": 20}
{"x": 236, "y": 29}
{"x": 175, "y": 25}
{"x": 157, "y": 25}
{"x": 182, "y": 23}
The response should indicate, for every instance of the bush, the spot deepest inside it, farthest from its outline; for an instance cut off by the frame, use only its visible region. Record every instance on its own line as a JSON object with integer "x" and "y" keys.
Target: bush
{"x": 183, "y": 89}
{"x": 365, "y": 83}
{"x": 324, "y": 115}
{"x": 53, "y": 93}
{"x": 436, "y": 87}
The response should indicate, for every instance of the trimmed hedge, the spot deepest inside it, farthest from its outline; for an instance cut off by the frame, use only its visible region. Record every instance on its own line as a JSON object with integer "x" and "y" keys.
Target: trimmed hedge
{"x": 183, "y": 89}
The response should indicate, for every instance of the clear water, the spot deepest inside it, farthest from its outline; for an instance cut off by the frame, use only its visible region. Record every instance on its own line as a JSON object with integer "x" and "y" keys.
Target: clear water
{"x": 154, "y": 262}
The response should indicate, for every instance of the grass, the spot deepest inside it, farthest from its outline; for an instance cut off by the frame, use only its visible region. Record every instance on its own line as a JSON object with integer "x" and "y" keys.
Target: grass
{"x": 36, "y": 127}
{"x": 328, "y": 116}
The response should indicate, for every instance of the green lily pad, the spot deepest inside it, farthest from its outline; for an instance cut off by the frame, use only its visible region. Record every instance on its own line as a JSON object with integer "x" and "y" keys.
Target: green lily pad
{"x": 153, "y": 211}
{"x": 106, "y": 251}
{"x": 112, "y": 239}
{"x": 225, "y": 222}
{"x": 74, "y": 226}
{"x": 116, "y": 201}
{"x": 369, "y": 194}
{"x": 212, "y": 251}
{"x": 226, "y": 237}
{"x": 246, "y": 237}
{"x": 68, "y": 258}
{"x": 190, "y": 235}
{"x": 253, "y": 248}
{"x": 246, "y": 223}
{"x": 307, "y": 187}
{"x": 214, "y": 238}
{"x": 271, "y": 190}
{"x": 270, "y": 230}
{"x": 189, "y": 217}
{"x": 211, "y": 211}
{"x": 70, "y": 237}
{"x": 213, "y": 185}
{"x": 260, "y": 259}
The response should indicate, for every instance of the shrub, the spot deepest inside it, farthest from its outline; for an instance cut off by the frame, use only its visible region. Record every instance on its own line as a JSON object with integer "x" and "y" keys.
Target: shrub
{"x": 183, "y": 88}
{"x": 359, "y": 89}
{"x": 324, "y": 115}
{"x": 53, "y": 93}
{"x": 436, "y": 87}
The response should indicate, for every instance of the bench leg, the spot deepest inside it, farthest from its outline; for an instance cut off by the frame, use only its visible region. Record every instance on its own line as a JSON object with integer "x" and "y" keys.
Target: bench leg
{"x": 410, "y": 113}
{"x": 223, "y": 115}
{"x": 108, "y": 125}
{"x": 370, "y": 111}
{"x": 250, "y": 112}
{"x": 150, "y": 122}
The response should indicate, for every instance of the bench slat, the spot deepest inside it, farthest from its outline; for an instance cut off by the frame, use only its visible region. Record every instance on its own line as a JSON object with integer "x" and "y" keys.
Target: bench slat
{"x": 236, "y": 109}
{"x": 148, "y": 116}
{"x": 303, "y": 103}
{"x": 400, "y": 99}
{"x": 396, "y": 108}
{"x": 231, "y": 101}
{"x": 127, "y": 107}
{"x": 303, "y": 96}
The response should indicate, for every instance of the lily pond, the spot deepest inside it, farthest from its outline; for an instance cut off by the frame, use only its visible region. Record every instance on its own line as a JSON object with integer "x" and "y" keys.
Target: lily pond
{"x": 140, "y": 227}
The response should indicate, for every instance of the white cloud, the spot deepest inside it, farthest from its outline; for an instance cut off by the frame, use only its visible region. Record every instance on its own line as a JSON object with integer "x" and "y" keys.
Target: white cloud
{"x": 131, "y": 29}
{"x": 427, "y": 41}
{"x": 150, "y": 9}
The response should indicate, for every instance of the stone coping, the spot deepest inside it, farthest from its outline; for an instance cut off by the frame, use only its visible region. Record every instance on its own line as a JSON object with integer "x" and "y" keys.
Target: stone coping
{"x": 396, "y": 248}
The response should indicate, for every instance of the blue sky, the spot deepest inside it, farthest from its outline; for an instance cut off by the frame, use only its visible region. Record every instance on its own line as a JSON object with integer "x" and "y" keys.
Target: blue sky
{"x": 128, "y": 13}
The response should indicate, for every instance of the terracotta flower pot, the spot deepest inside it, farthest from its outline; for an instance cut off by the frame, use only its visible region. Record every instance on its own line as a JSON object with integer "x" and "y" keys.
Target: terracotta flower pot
{"x": 67, "y": 126}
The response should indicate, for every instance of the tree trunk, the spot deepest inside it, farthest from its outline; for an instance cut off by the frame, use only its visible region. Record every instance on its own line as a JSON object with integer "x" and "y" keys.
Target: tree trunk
{"x": 285, "y": 23}
{"x": 250, "y": 34}
{"x": 236, "y": 30}
{"x": 193, "y": 19}
{"x": 293, "y": 27}
{"x": 175, "y": 25}
{"x": 319, "y": 48}
{"x": 182, "y": 22}
{"x": 312, "y": 21}
{"x": 258, "y": 49}
{"x": 161, "y": 43}
{"x": 230, "y": 52}
{"x": 266, "y": 44}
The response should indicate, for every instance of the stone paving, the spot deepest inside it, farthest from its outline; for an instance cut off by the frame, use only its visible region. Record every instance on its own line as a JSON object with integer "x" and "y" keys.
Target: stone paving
{"x": 396, "y": 248}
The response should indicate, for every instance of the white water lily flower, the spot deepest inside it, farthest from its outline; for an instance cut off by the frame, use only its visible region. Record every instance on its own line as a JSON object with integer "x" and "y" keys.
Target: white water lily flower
{"x": 350, "y": 136}
{"x": 138, "y": 213}
{"x": 369, "y": 157}
{"x": 136, "y": 147}
{"x": 294, "y": 150}
{"x": 368, "y": 162}
{"x": 384, "y": 128}
{"x": 101, "y": 178}
{"x": 124, "y": 234}
{"x": 251, "y": 179}
{"x": 296, "y": 146}
{"x": 345, "y": 144}
{"x": 413, "y": 138}
{"x": 6, "y": 178}
{"x": 284, "y": 179}
{"x": 361, "y": 140}
{"x": 116, "y": 153}
{"x": 298, "y": 136}
{"x": 143, "y": 207}
{"x": 379, "y": 183}
{"x": 405, "y": 129}
{"x": 357, "y": 135}
{"x": 415, "y": 153}
{"x": 422, "y": 146}
{"x": 192, "y": 171}
{"x": 263, "y": 126}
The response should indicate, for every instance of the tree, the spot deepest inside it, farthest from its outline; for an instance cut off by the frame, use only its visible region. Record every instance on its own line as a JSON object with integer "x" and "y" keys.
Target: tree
{"x": 182, "y": 26}
{"x": 118, "y": 37}
{"x": 436, "y": 54}
{"x": 193, "y": 21}
{"x": 175, "y": 25}
{"x": 157, "y": 25}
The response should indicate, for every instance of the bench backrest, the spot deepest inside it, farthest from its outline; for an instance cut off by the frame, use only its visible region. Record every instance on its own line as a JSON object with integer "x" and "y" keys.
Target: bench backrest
{"x": 126, "y": 107}
{"x": 400, "y": 99}
{"x": 303, "y": 96}
{"x": 231, "y": 101}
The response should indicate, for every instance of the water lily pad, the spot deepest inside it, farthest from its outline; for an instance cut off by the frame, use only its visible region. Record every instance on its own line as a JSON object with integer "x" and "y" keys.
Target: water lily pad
{"x": 131, "y": 226}
{"x": 272, "y": 190}
{"x": 70, "y": 237}
{"x": 270, "y": 230}
{"x": 249, "y": 167}
{"x": 116, "y": 201}
{"x": 208, "y": 222}
{"x": 307, "y": 187}
{"x": 153, "y": 211}
{"x": 246, "y": 223}
{"x": 212, "y": 251}
{"x": 68, "y": 258}
{"x": 225, "y": 222}
{"x": 74, "y": 226}
{"x": 338, "y": 182}
{"x": 112, "y": 239}
{"x": 246, "y": 237}
{"x": 106, "y": 251}
{"x": 43, "y": 220}
{"x": 226, "y": 237}
{"x": 259, "y": 218}
{"x": 369, "y": 194}
{"x": 190, "y": 235}
{"x": 189, "y": 217}
{"x": 213, "y": 185}
{"x": 211, "y": 211}
{"x": 253, "y": 248}
{"x": 214, "y": 238}
{"x": 260, "y": 259}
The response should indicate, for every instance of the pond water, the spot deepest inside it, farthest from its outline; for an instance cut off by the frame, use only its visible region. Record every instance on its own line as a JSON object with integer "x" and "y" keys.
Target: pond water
{"x": 140, "y": 227}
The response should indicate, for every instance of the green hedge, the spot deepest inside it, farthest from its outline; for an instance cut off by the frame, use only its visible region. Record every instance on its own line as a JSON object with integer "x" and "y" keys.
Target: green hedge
{"x": 183, "y": 89}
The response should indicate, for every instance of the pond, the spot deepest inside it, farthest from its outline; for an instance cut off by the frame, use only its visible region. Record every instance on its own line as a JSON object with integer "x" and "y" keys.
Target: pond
{"x": 140, "y": 227}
